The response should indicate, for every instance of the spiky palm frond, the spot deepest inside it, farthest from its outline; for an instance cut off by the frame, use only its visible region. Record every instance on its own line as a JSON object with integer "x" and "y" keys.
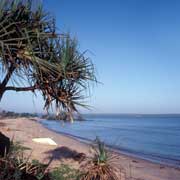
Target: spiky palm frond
{"x": 103, "y": 164}
{"x": 36, "y": 54}
{"x": 21, "y": 36}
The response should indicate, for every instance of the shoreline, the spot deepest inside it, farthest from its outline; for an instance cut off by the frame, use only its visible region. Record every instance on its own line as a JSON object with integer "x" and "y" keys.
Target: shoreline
{"x": 164, "y": 161}
{"x": 23, "y": 130}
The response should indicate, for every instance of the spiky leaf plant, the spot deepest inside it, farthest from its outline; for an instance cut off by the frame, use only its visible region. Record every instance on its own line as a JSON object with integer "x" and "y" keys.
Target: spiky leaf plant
{"x": 34, "y": 57}
{"x": 15, "y": 166}
{"x": 102, "y": 166}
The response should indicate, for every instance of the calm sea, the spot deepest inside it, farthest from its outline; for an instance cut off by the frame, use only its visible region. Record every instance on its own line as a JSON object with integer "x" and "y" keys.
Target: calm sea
{"x": 153, "y": 138}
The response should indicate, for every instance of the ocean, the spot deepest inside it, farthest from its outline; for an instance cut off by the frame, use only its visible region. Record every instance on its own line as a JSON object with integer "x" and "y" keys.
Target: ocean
{"x": 149, "y": 137}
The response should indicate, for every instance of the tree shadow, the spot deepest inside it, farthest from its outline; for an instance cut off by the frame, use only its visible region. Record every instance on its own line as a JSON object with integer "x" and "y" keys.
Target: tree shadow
{"x": 64, "y": 152}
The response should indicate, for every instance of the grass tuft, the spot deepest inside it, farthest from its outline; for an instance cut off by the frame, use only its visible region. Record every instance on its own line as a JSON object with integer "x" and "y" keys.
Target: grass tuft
{"x": 14, "y": 166}
{"x": 102, "y": 166}
{"x": 64, "y": 172}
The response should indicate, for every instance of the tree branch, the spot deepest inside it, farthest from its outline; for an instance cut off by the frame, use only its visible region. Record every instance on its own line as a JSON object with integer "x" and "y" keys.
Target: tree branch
{"x": 17, "y": 89}
{"x": 7, "y": 77}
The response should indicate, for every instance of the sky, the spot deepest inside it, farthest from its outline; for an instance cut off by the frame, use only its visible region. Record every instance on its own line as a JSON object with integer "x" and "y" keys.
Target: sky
{"x": 135, "y": 46}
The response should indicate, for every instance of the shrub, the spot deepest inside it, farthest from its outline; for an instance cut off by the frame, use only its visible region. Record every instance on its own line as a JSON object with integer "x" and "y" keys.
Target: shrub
{"x": 102, "y": 166}
{"x": 14, "y": 166}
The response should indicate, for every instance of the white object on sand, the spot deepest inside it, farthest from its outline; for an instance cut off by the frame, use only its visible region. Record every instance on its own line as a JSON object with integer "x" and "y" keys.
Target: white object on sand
{"x": 47, "y": 141}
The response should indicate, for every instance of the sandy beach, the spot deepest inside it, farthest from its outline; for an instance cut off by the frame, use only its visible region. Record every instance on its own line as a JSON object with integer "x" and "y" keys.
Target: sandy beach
{"x": 68, "y": 150}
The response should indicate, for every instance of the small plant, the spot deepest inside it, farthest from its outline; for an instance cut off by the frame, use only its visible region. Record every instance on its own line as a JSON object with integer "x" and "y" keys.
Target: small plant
{"x": 64, "y": 172}
{"x": 16, "y": 148}
{"x": 101, "y": 154}
{"x": 14, "y": 166}
{"x": 102, "y": 166}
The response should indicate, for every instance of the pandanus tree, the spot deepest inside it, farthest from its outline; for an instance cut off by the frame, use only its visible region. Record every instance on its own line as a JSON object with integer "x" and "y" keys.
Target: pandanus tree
{"x": 35, "y": 57}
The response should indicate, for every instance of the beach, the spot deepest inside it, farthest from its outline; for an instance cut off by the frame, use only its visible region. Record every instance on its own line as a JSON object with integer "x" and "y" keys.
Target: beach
{"x": 67, "y": 150}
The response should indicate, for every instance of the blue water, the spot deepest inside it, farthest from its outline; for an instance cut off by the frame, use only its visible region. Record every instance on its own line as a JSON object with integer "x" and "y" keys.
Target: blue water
{"x": 153, "y": 138}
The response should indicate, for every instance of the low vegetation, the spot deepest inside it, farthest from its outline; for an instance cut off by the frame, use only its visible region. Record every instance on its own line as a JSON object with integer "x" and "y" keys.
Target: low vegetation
{"x": 64, "y": 172}
{"x": 15, "y": 166}
{"x": 102, "y": 166}
{"x": 10, "y": 114}
{"x": 62, "y": 117}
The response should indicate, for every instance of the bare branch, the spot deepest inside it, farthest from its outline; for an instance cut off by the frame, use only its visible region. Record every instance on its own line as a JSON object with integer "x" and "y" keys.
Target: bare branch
{"x": 7, "y": 77}
{"x": 17, "y": 89}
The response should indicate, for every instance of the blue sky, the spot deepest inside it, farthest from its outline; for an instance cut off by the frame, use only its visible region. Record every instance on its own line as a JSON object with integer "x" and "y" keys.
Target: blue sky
{"x": 135, "y": 47}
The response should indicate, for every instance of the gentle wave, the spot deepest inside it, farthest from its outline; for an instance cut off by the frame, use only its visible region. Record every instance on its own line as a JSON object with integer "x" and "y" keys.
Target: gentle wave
{"x": 152, "y": 138}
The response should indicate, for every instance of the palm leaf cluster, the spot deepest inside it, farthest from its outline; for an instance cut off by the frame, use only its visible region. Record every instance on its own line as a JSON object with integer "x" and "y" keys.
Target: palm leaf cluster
{"x": 35, "y": 57}
{"x": 103, "y": 165}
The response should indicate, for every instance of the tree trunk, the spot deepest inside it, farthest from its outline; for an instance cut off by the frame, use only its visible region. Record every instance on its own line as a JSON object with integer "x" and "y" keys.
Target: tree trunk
{"x": 4, "y": 145}
{"x": 1, "y": 94}
{"x": 6, "y": 80}
{"x": 4, "y": 141}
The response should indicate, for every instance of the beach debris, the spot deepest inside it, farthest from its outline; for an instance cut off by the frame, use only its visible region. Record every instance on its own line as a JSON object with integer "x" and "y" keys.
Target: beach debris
{"x": 47, "y": 141}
